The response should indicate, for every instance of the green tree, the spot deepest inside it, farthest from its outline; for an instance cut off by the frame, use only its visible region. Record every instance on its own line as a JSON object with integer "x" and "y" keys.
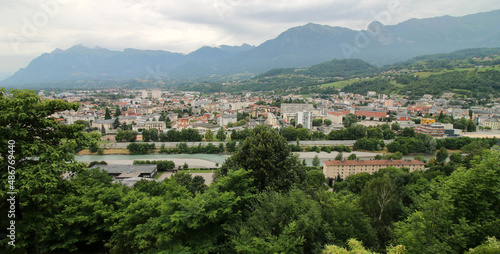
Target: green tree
{"x": 491, "y": 246}
{"x": 190, "y": 135}
{"x": 268, "y": 229}
{"x": 231, "y": 146}
{"x": 328, "y": 122}
{"x": 154, "y": 134}
{"x": 355, "y": 247}
{"x": 317, "y": 122}
{"x": 375, "y": 132}
{"x": 316, "y": 161}
{"x": 349, "y": 120}
{"x": 442, "y": 155}
{"x": 221, "y": 134}
{"x": 194, "y": 185}
{"x": 268, "y": 156}
{"x": 82, "y": 122}
{"x": 146, "y": 135}
{"x": 352, "y": 157}
{"x": 143, "y": 148}
{"x": 116, "y": 123}
{"x": 471, "y": 126}
{"x": 93, "y": 147}
{"x": 128, "y": 136}
{"x": 407, "y": 132}
{"x": 118, "y": 112}
{"x": 289, "y": 133}
{"x": 83, "y": 220}
{"x": 429, "y": 144}
{"x": 357, "y": 182}
{"x": 42, "y": 150}
{"x": 381, "y": 203}
{"x": 303, "y": 134}
{"x": 389, "y": 134}
{"x": 396, "y": 127}
{"x": 209, "y": 135}
{"x": 458, "y": 213}
{"x": 107, "y": 114}
{"x": 339, "y": 157}
{"x": 103, "y": 130}
{"x": 456, "y": 159}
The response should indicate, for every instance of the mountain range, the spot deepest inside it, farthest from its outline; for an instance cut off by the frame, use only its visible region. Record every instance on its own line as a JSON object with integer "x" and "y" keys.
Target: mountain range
{"x": 296, "y": 47}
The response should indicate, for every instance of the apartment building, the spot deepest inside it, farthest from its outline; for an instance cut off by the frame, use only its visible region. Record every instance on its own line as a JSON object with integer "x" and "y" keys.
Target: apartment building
{"x": 435, "y": 130}
{"x": 344, "y": 168}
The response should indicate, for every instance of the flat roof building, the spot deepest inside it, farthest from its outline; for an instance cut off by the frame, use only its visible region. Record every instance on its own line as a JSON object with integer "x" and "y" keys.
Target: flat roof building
{"x": 435, "y": 130}
{"x": 344, "y": 168}
{"x": 129, "y": 171}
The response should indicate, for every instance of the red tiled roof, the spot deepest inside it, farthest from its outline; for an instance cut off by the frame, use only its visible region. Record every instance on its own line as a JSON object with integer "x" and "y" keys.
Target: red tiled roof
{"x": 372, "y": 162}
{"x": 336, "y": 114}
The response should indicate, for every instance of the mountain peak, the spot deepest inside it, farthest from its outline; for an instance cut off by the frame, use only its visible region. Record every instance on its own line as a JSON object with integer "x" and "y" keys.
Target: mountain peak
{"x": 76, "y": 48}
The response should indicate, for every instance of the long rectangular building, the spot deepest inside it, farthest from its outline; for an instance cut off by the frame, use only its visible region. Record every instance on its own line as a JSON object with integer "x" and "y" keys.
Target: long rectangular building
{"x": 344, "y": 168}
{"x": 435, "y": 130}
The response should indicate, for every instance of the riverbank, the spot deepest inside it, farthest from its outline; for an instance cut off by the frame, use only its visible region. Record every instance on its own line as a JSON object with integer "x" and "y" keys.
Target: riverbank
{"x": 482, "y": 134}
{"x": 203, "y": 160}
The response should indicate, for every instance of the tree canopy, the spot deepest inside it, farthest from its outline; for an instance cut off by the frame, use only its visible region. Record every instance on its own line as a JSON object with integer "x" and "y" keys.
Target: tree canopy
{"x": 267, "y": 155}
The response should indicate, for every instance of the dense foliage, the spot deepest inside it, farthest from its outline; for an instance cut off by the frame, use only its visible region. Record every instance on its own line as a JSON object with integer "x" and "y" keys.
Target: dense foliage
{"x": 380, "y": 85}
{"x": 162, "y": 165}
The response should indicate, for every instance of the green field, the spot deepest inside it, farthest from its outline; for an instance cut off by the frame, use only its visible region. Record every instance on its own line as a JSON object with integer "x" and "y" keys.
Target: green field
{"x": 425, "y": 74}
{"x": 341, "y": 84}
{"x": 496, "y": 68}
{"x": 393, "y": 82}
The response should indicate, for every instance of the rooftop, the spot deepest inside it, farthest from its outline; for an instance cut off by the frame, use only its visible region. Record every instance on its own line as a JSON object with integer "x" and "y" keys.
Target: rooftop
{"x": 128, "y": 169}
{"x": 372, "y": 162}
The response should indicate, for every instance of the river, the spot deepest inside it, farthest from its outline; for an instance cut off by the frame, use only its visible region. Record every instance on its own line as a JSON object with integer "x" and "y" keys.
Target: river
{"x": 212, "y": 160}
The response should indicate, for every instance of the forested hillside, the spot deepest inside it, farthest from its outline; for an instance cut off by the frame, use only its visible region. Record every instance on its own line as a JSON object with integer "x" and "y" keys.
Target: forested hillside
{"x": 468, "y": 73}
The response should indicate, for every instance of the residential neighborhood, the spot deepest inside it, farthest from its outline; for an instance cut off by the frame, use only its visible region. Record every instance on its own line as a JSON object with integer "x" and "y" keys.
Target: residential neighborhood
{"x": 166, "y": 110}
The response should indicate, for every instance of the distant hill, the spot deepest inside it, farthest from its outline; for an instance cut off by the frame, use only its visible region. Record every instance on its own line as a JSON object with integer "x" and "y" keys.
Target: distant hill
{"x": 333, "y": 68}
{"x": 442, "y": 73}
{"x": 298, "y": 47}
{"x": 456, "y": 59}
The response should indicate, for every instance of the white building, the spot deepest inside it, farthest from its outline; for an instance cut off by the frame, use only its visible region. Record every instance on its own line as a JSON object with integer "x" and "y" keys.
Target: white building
{"x": 225, "y": 119}
{"x": 272, "y": 120}
{"x": 70, "y": 119}
{"x": 305, "y": 118}
{"x": 156, "y": 94}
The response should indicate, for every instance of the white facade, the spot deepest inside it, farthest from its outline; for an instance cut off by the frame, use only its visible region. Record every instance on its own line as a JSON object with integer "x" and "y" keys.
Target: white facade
{"x": 225, "y": 119}
{"x": 70, "y": 119}
{"x": 156, "y": 94}
{"x": 272, "y": 120}
{"x": 305, "y": 118}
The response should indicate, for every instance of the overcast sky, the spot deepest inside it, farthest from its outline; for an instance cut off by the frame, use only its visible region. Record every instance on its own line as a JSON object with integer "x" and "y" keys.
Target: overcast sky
{"x": 33, "y": 27}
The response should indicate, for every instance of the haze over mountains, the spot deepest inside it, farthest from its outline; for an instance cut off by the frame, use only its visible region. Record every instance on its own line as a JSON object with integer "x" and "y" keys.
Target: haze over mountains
{"x": 297, "y": 47}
